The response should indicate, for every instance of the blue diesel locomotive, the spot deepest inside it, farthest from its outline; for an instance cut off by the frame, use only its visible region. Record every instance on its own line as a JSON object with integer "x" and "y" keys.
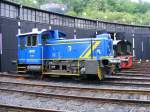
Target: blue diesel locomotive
{"x": 49, "y": 53}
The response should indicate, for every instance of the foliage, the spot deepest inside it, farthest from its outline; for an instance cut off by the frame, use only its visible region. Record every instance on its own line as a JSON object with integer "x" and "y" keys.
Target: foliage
{"x": 123, "y": 11}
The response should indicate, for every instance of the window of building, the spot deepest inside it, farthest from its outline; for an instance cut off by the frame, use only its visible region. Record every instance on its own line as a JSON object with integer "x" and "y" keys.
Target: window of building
{"x": 70, "y": 22}
{"x": 39, "y": 16}
{"x": 29, "y": 15}
{"x": 56, "y": 19}
{"x": 104, "y": 26}
{"x": 33, "y": 15}
{"x": 13, "y": 12}
{"x": 46, "y": 18}
{"x": 7, "y": 10}
{"x": 2, "y": 9}
{"x": 43, "y": 17}
{"x": 25, "y": 14}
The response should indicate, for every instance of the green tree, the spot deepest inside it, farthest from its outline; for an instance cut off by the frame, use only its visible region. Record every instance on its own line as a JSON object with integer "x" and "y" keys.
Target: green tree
{"x": 110, "y": 10}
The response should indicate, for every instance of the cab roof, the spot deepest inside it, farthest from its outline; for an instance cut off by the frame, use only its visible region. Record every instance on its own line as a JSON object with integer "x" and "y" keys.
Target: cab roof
{"x": 36, "y": 32}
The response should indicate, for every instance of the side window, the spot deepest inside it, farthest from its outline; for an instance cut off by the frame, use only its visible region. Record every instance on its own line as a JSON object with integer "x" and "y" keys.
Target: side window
{"x": 44, "y": 38}
{"x": 22, "y": 42}
{"x": 34, "y": 40}
{"x": 29, "y": 41}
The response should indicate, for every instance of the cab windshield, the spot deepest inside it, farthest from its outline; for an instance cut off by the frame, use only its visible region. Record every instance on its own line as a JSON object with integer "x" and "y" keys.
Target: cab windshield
{"x": 31, "y": 40}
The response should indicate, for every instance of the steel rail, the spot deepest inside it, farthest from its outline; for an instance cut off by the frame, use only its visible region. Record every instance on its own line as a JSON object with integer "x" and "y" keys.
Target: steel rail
{"x": 132, "y": 74}
{"x": 144, "y": 72}
{"x": 120, "y": 83}
{"x": 85, "y": 98}
{"x": 127, "y": 78}
{"x": 113, "y": 90}
{"x": 28, "y": 108}
{"x": 15, "y": 75}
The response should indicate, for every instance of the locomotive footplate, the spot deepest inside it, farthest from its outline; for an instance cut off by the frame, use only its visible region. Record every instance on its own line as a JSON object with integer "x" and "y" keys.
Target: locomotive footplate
{"x": 61, "y": 67}
{"x": 75, "y": 68}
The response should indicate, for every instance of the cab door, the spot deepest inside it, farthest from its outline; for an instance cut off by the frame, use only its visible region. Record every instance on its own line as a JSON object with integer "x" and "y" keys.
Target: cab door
{"x": 33, "y": 53}
{"x": 21, "y": 49}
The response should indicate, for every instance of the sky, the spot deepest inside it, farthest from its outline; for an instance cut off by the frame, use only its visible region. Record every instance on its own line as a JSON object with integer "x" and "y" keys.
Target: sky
{"x": 141, "y": 0}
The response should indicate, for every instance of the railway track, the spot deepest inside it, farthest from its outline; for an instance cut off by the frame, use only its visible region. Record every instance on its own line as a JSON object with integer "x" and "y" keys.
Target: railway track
{"x": 131, "y": 87}
{"x": 128, "y": 78}
{"x": 139, "y": 76}
{"x": 11, "y": 108}
{"x": 127, "y": 83}
{"x": 74, "y": 104}
{"x": 133, "y": 74}
{"x": 83, "y": 98}
{"x": 5, "y": 84}
{"x": 25, "y": 76}
{"x": 139, "y": 68}
{"x": 119, "y": 79}
{"x": 131, "y": 71}
{"x": 94, "y": 94}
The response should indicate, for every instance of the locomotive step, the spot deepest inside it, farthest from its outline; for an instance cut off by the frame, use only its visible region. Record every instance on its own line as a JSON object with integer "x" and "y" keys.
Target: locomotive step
{"x": 21, "y": 71}
{"x": 54, "y": 73}
{"x": 21, "y": 67}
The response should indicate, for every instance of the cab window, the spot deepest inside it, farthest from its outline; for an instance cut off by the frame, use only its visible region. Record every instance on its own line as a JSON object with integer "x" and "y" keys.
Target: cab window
{"x": 32, "y": 40}
{"x": 22, "y": 42}
{"x": 29, "y": 41}
{"x": 44, "y": 38}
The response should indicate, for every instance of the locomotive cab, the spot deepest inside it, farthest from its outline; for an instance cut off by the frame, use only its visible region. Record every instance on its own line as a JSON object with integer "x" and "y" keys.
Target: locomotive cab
{"x": 29, "y": 52}
{"x": 30, "y": 49}
{"x": 51, "y": 35}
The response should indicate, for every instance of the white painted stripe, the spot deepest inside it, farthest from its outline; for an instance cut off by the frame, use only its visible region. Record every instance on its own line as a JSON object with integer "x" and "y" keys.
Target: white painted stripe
{"x": 142, "y": 45}
{"x": 133, "y": 42}
{"x": 0, "y": 43}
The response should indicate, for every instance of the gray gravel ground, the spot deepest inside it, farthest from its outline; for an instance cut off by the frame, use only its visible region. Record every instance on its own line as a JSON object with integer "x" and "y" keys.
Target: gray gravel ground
{"x": 19, "y": 99}
{"x": 66, "y": 104}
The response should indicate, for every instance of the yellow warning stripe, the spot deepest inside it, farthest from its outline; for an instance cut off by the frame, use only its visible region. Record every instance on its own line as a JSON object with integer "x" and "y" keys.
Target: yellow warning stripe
{"x": 99, "y": 72}
{"x": 85, "y": 51}
{"x": 93, "y": 48}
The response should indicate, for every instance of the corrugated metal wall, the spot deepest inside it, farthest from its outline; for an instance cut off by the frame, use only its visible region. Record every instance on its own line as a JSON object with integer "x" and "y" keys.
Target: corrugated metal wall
{"x": 9, "y": 30}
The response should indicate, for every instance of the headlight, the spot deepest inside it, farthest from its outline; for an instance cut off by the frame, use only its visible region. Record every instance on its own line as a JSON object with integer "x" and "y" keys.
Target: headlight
{"x": 114, "y": 60}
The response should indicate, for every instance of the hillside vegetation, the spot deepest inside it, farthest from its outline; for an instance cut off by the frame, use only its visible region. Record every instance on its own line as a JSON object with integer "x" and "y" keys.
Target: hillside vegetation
{"x": 123, "y": 11}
